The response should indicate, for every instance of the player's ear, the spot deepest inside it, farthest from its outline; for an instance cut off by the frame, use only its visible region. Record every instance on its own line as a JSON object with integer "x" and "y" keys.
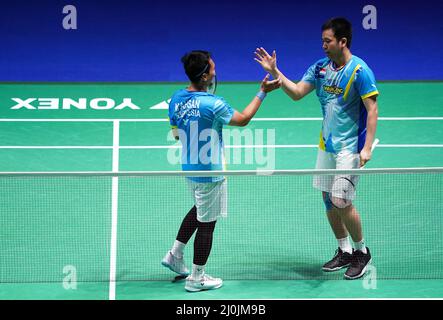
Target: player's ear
{"x": 204, "y": 77}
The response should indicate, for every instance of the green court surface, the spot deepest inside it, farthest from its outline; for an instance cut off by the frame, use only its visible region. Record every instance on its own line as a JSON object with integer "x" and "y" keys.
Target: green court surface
{"x": 276, "y": 237}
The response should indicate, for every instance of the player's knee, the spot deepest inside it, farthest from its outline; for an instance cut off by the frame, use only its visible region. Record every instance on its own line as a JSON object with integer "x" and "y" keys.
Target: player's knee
{"x": 340, "y": 203}
{"x": 206, "y": 228}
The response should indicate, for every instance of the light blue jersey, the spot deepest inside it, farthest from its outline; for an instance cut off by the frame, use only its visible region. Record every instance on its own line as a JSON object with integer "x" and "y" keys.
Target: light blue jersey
{"x": 199, "y": 118}
{"x": 341, "y": 93}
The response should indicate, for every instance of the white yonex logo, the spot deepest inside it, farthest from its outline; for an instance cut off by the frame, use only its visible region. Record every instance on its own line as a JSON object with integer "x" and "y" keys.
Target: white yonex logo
{"x": 67, "y": 104}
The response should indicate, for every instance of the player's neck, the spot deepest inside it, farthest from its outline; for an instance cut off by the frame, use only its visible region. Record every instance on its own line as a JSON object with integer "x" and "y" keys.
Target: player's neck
{"x": 343, "y": 59}
{"x": 194, "y": 87}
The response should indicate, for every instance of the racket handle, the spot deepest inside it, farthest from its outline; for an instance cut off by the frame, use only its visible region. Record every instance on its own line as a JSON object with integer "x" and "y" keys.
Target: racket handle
{"x": 374, "y": 144}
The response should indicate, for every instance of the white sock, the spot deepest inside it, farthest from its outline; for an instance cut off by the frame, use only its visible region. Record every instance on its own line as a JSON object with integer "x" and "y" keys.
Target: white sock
{"x": 177, "y": 249}
{"x": 361, "y": 246}
{"x": 197, "y": 271}
{"x": 345, "y": 245}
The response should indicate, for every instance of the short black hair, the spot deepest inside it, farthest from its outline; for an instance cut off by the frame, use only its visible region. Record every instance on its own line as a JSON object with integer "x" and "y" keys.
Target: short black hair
{"x": 341, "y": 27}
{"x": 196, "y": 63}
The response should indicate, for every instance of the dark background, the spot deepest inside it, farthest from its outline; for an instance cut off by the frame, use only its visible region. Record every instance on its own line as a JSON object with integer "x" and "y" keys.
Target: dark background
{"x": 144, "y": 40}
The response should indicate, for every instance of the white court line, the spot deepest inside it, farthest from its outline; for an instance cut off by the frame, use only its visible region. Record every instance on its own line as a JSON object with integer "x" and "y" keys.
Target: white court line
{"x": 253, "y": 119}
{"x": 410, "y": 146}
{"x": 258, "y": 146}
{"x": 56, "y": 147}
{"x": 380, "y": 118}
{"x": 409, "y": 118}
{"x": 84, "y": 120}
{"x": 114, "y": 210}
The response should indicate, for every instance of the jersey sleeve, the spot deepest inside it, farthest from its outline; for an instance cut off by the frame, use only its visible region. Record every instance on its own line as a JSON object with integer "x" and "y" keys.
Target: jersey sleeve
{"x": 309, "y": 75}
{"x": 223, "y": 112}
{"x": 171, "y": 115}
{"x": 365, "y": 83}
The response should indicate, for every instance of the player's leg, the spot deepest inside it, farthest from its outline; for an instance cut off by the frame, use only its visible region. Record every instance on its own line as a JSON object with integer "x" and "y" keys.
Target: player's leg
{"x": 334, "y": 218}
{"x": 361, "y": 256}
{"x": 341, "y": 258}
{"x": 199, "y": 280}
{"x": 351, "y": 220}
{"x": 350, "y": 217}
{"x": 187, "y": 229}
{"x": 211, "y": 200}
{"x": 343, "y": 192}
{"x": 174, "y": 258}
{"x": 203, "y": 242}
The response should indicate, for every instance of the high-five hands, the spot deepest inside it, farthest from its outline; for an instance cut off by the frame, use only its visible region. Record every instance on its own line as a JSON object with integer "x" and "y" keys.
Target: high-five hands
{"x": 268, "y": 62}
{"x": 269, "y": 85}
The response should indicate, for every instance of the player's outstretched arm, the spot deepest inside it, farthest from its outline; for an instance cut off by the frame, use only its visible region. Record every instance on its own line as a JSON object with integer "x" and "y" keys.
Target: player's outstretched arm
{"x": 241, "y": 119}
{"x": 269, "y": 63}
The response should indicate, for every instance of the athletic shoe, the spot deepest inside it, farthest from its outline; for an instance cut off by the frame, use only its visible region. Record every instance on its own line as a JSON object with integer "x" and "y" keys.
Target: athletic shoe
{"x": 175, "y": 264}
{"x": 205, "y": 282}
{"x": 340, "y": 260}
{"x": 358, "y": 265}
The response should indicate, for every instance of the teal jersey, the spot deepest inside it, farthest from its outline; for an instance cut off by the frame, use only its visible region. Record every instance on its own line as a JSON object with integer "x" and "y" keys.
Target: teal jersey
{"x": 341, "y": 92}
{"x": 199, "y": 118}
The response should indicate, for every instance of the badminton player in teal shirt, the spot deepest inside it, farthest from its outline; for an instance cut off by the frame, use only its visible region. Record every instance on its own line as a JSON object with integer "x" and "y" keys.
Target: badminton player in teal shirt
{"x": 347, "y": 91}
{"x": 197, "y": 117}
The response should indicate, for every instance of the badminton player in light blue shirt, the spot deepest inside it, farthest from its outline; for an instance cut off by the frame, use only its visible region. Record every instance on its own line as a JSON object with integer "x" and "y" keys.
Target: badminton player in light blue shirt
{"x": 197, "y": 117}
{"x": 200, "y": 116}
{"x": 347, "y": 91}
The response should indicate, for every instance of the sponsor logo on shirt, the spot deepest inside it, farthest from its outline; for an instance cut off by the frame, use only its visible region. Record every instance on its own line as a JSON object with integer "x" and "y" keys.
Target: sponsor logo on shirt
{"x": 333, "y": 89}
